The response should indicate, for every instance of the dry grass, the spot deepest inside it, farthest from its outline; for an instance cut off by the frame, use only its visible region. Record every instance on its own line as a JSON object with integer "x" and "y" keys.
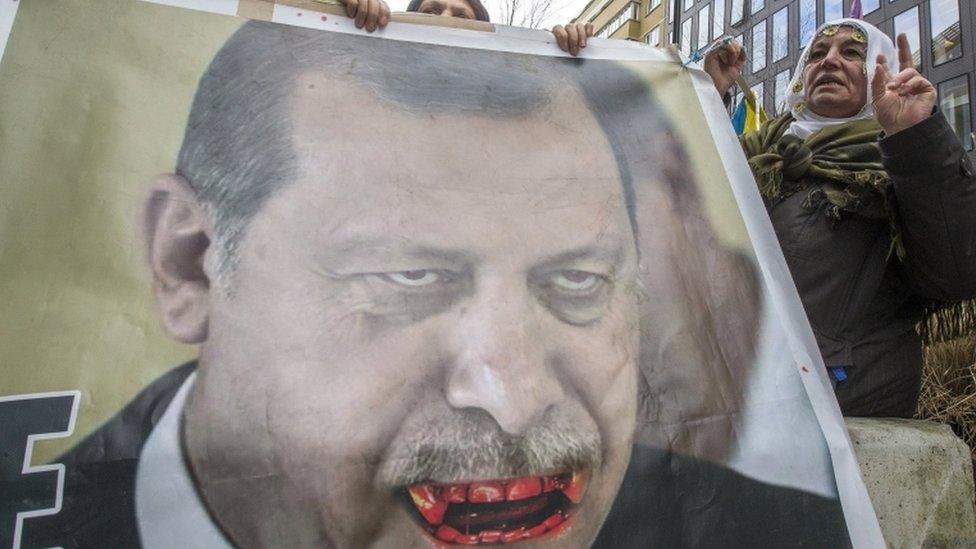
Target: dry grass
{"x": 949, "y": 387}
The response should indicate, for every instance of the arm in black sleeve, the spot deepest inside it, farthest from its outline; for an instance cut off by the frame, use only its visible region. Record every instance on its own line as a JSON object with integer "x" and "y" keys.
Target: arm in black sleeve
{"x": 935, "y": 193}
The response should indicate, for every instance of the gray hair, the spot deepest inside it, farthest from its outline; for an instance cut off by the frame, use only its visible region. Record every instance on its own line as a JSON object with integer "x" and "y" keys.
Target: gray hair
{"x": 237, "y": 151}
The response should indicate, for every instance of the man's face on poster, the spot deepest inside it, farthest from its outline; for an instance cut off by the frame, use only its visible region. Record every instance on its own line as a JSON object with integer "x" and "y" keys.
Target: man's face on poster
{"x": 430, "y": 334}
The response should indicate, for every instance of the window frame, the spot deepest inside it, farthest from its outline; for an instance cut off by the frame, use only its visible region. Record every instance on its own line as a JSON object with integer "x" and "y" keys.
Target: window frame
{"x": 966, "y": 139}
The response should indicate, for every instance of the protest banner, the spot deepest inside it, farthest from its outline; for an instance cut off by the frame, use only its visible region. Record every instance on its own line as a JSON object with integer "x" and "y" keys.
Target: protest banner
{"x": 269, "y": 280}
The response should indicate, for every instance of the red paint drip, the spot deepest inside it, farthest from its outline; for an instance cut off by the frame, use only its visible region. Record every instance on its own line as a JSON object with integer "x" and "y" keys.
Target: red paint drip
{"x": 299, "y": 14}
{"x": 804, "y": 368}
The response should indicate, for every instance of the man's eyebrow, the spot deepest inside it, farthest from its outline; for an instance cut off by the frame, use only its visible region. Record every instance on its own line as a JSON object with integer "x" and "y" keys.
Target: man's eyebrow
{"x": 401, "y": 246}
{"x": 610, "y": 252}
{"x": 432, "y": 4}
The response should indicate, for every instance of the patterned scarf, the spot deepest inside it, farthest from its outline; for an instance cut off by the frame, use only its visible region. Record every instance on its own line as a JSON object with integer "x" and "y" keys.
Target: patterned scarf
{"x": 840, "y": 165}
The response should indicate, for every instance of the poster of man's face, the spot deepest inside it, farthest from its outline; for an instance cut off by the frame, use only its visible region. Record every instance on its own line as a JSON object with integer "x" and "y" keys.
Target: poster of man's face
{"x": 444, "y": 293}
{"x": 408, "y": 327}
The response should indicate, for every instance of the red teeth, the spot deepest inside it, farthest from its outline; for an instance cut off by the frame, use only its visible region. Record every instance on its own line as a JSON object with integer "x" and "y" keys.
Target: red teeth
{"x": 576, "y": 487}
{"x": 456, "y": 493}
{"x": 446, "y": 533}
{"x": 486, "y": 492}
{"x": 426, "y": 500}
{"x": 553, "y": 521}
{"x": 490, "y": 536}
{"x": 523, "y": 488}
{"x": 487, "y": 525}
{"x": 537, "y": 530}
{"x": 513, "y": 535}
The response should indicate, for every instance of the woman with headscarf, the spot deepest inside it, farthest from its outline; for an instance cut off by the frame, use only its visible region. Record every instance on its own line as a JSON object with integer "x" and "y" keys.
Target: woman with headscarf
{"x": 873, "y": 200}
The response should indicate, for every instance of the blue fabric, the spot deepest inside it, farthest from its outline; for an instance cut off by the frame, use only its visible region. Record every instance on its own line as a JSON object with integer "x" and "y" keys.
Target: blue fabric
{"x": 739, "y": 117}
{"x": 839, "y": 373}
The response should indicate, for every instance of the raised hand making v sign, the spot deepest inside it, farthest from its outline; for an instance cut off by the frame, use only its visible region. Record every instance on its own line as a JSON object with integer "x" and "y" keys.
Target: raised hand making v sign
{"x": 904, "y": 99}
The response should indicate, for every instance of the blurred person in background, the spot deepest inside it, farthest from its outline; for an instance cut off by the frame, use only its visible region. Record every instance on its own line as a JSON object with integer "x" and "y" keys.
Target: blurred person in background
{"x": 375, "y": 14}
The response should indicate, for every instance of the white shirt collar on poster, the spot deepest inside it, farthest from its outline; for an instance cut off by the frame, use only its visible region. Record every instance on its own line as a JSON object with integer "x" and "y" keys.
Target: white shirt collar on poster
{"x": 169, "y": 511}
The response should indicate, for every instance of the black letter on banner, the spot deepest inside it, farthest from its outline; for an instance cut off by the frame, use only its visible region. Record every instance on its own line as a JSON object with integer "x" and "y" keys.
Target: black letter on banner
{"x": 27, "y": 491}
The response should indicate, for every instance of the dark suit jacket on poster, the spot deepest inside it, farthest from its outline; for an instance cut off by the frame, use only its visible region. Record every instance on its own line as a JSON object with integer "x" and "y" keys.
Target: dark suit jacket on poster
{"x": 666, "y": 500}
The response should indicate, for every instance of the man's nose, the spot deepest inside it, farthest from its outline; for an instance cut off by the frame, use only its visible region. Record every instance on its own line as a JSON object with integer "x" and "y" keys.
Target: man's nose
{"x": 500, "y": 363}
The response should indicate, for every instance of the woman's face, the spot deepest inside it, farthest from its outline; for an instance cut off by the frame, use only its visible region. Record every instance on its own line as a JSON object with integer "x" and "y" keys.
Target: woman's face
{"x": 834, "y": 77}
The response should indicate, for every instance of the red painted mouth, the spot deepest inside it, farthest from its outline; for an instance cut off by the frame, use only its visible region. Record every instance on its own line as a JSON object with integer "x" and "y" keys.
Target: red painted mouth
{"x": 497, "y": 511}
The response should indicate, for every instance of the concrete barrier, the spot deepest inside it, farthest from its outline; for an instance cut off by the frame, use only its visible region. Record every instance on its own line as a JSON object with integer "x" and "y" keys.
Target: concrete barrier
{"x": 920, "y": 479}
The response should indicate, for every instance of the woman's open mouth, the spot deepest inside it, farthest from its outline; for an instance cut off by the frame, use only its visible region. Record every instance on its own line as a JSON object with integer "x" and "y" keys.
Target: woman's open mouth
{"x": 498, "y": 510}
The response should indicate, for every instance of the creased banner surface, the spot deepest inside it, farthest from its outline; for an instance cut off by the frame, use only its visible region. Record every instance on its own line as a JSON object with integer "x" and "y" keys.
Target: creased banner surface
{"x": 282, "y": 283}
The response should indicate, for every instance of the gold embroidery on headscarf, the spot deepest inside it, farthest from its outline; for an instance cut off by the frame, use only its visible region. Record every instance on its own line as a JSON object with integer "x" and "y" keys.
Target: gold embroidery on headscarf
{"x": 830, "y": 30}
{"x": 797, "y": 86}
{"x": 858, "y": 35}
{"x": 799, "y": 107}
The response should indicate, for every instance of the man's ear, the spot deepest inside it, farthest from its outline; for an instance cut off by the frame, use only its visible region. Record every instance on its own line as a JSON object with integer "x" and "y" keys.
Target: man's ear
{"x": 178, "y": 238}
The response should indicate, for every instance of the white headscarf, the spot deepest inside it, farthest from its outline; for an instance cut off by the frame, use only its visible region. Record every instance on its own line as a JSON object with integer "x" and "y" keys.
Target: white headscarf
{"x": 806, "y": 121}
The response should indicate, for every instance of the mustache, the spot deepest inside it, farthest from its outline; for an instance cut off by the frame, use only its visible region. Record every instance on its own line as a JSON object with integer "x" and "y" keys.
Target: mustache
{"x": 468, "y": 445}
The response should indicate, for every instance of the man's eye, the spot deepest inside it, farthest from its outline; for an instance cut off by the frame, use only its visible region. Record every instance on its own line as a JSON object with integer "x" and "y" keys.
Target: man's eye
{"x": 574, "y": 296}
{"x": 575, "y": 281}
{"x": 415, "y": 279}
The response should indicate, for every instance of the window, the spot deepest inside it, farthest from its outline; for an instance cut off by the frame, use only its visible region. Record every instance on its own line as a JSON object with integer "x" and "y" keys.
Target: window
{"x": 626, "y": 14}
{"x": 782, "y": 91}
{"x": 808, "y": 21}
{"x": 907, "y": 22}
{"x": 686, "y": 4}
{"x": 757, "y": 6}
{"x": 652, "y": 5}
{"x": 686, "y": 37}
{"x": 867, "y": 6}
{"x": 654, "y": 37}
{"x": 704, "y": 26}
{"x": 737, "y": 12}
{"x": 759, "y": 46}
{"x": 954, "y": 102}
{"x": 595, "y": 11}
{"x": 718, "y": 17}
{"x": 833, "y": 9}
{"x": 781, "y": 34}
{"x": 759, "y": 90}
{"x": 946, "y": 38}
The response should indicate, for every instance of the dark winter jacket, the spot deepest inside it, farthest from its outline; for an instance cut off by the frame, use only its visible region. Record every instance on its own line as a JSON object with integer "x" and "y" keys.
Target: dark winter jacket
{"x": 862, "y": 301}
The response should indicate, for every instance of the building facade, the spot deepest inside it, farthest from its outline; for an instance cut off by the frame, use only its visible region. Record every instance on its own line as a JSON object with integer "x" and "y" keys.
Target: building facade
{"x": 640, "y": 20}
{"x": 940, "y": 33}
